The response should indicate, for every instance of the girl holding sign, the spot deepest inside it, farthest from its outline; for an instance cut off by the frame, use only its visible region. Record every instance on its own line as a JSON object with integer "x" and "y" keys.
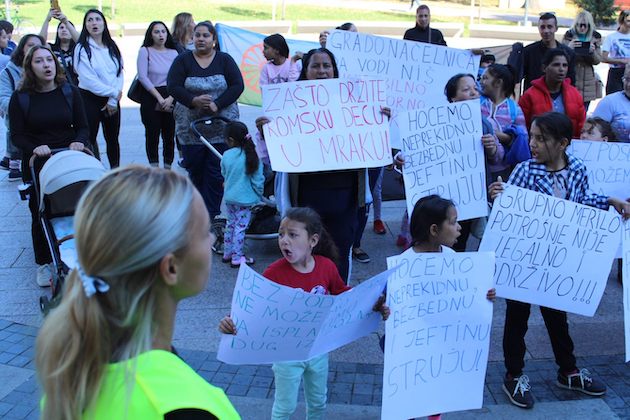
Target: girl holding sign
{"x": 307, "y": 263}
{"x": 551, "y": 171}
{"x": 434, "y": 228}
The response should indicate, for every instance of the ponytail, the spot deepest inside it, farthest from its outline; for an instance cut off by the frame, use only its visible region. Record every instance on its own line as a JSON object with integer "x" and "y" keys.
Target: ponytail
{"x": 237, "y": 131}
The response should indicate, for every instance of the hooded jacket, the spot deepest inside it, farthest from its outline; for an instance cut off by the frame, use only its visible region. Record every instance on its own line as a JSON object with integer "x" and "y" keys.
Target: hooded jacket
{"x": 537, "y": 100}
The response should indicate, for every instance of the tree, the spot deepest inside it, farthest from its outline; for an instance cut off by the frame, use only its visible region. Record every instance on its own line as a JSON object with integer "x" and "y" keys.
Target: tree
{"x": 603, "y": 11}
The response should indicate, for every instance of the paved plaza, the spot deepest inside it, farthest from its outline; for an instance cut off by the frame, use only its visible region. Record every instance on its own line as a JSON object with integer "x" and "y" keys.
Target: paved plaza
{"x": 355, "y": 379}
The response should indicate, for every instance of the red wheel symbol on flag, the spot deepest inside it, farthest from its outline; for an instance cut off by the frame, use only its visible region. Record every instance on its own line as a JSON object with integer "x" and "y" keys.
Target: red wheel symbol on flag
{"x": 252, "y": 62}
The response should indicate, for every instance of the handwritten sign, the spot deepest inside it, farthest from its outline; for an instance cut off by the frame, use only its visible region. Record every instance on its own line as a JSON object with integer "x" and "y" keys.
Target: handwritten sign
{"x": 438, "y": 335}
{"x": 319, "y": 125}
{"x": 276, "y": 323}
{"x": 415, "y": 72}
{"x": 551, "y": 252}
{"x": 626, "y": 285}
{"x": 607, "y": 165}
{"x": 444, "y": 155}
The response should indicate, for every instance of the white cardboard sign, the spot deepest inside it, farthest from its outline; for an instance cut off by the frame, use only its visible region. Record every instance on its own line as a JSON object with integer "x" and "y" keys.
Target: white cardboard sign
{"x": 323, "y": 125}
{"x": 444, "y": 155}
{"x": 438, "y": 335}
{"x": 276, "y": 323}
{"x": 607, "y": 166}
{"x": 551, "y": 252}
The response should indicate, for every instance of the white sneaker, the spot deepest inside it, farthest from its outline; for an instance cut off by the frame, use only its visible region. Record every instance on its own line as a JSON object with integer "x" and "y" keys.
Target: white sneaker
{"x": 44, "y": 275}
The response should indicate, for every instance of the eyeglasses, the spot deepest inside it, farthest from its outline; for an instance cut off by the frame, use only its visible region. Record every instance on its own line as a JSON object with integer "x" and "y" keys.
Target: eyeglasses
{"x": 582, "y": 25}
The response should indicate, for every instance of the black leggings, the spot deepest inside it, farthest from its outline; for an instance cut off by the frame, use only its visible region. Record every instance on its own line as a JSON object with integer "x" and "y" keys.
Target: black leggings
{"x": 156, "y": 123}
{"x": 111, "y": 126}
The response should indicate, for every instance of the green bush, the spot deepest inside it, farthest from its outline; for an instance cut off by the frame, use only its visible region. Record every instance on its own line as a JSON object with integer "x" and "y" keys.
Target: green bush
{"x": 604, "y": 11}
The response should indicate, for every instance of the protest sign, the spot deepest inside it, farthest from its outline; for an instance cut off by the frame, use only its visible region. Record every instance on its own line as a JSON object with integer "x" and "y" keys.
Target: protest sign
{"x": 416, "y": 72}
{"x": 607, "y": 166}
{"x": 626, "y": 285}
{"x": 438, "y": 333}
{"x": 444, "y": 155}
{"x": 319, "y": 125}
{"x": 276, "y": 323}
{"x": 551, "y": 252}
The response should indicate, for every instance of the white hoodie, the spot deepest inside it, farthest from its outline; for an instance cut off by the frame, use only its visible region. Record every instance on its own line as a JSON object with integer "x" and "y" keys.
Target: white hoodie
{"x": 98, "y": 75}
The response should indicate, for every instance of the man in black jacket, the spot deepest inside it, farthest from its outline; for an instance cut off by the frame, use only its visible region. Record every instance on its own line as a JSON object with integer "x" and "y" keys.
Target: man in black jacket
{"x": 422, "y": 32}
{"x": 534, "y": 53}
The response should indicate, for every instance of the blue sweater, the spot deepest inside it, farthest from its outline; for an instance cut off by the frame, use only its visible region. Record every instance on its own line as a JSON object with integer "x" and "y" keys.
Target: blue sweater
{"x": 241, "y": 189}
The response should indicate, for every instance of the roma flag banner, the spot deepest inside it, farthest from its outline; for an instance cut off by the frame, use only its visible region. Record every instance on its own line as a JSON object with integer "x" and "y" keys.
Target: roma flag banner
{"x": 246, "y": 48}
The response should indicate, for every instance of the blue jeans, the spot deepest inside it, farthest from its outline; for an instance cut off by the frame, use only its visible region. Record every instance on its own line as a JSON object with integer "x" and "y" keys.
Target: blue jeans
{"x": 288, "y": 375}
{"x": 204, "y": 169}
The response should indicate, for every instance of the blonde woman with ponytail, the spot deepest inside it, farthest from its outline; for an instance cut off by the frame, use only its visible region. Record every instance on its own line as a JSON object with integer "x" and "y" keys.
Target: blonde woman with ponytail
{"x": 143, "y": 244}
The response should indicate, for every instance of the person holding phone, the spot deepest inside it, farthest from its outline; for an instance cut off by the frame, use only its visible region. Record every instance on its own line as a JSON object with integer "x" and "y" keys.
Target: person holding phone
{"x": 586, "y": 42}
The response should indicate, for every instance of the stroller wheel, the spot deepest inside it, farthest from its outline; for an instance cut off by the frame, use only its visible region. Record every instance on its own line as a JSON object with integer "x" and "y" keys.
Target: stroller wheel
{"x": 43, "y": 304}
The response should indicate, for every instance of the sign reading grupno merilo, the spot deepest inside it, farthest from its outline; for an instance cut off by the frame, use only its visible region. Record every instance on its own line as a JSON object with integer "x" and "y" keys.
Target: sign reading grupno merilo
{"x": 551, "y": 252}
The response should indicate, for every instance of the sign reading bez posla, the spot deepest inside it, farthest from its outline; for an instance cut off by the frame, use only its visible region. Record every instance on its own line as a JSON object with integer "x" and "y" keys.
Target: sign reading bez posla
{"x": 551, "y": 252}
{"x": 438, "y": 334}
{"x": 320, "y": 125}
{"x": 276, "y": 323}
{"x": 444, "y": 155}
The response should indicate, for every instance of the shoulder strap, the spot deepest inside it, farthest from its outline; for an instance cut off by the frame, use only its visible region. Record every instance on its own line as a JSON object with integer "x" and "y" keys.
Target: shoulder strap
{"x": 11, "y": 78}
{"x": 24, "y": 100}
{"x": 512, "y": 107}
{"x": 66, "y": 89}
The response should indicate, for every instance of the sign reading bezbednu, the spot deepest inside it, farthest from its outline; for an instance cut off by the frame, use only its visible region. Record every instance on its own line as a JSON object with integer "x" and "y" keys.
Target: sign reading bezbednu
{"x": 607, "y": 165}
{"x": 416, "y": 72}
{"x": 551, "y": 252}
{"x": 438, "y": 333}
{"x": 276, "y": 323}
{"x": 319, "y": 125}
{"x": 444, "y": 155}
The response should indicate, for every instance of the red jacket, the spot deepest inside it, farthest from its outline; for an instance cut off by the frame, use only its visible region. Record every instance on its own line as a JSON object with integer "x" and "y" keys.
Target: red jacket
{"x": 537, "y": 100}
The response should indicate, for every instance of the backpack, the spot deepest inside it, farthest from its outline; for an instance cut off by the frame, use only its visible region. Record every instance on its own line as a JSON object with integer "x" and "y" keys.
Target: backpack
{"x": 515, "y": 60}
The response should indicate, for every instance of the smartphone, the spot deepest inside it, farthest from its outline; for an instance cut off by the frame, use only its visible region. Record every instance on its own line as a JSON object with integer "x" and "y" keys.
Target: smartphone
{"x": 54, "y": 4}
{"x": 583, "y": 49}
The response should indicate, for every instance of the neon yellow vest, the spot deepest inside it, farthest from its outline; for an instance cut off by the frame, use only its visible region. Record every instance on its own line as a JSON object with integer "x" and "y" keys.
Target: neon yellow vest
{"x": 163, "y": 383}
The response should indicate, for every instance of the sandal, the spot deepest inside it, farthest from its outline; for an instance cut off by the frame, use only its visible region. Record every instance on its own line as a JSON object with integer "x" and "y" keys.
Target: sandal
{"x": 235, "y": 263}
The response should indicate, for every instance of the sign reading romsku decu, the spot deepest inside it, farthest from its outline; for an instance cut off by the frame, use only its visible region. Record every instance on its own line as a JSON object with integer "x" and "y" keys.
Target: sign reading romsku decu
{"x": 276, "y": 323}
{"x": 319, "y": 125}
{"x": 551, "y": 252}
{"x": 438, "y": 333}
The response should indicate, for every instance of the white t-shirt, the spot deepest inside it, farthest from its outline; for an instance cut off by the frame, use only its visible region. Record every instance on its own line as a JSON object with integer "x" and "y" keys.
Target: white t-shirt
{"x": 615, "y": 108}
{"x": 618, "y": 46}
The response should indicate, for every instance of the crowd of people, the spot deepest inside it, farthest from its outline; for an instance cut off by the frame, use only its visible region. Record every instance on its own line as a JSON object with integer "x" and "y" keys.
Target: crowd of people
{"x": 144, "y": 234}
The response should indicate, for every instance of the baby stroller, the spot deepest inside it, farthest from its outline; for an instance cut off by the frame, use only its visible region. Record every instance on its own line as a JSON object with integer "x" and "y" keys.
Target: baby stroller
{"x": 265, "y": 219}
{"x": 58, "y": 186}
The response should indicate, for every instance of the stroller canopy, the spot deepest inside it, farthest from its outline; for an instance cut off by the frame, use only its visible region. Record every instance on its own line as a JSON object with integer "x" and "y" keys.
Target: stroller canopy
{"x": 66, "y": 168}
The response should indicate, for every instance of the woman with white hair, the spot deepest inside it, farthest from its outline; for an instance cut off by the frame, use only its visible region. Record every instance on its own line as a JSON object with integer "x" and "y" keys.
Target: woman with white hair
{"x": 143, "y": 245}
{"x": 586, "y": 42}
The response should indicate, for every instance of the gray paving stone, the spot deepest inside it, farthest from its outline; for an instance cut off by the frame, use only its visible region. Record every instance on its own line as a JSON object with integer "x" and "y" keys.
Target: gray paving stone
{"x": 4, "y": 408}
{"x": 18, "y": 412}
{"x": 257, "y": 392}
{"x": 238, "y": 390}
{"x": 361, "y": 399}
{"x": 19, "y": 361}
{"x": 362, "y": 389}
{"x": 242, "y": 379}
{"x": 261, "y": 381}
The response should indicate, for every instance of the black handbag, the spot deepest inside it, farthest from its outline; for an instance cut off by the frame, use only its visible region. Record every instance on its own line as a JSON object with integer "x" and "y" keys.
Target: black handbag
{"x": 136, "y": 91}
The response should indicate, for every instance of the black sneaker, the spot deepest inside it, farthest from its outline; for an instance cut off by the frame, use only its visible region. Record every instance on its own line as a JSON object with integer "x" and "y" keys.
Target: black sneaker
{"x": 15, "y": 175}
{"x": 4, "y": 163}
{"x": 360, "y": 255}
{"x": 519, "y": 391}
{"x": 582, "y": 381}
{"x": 218, "y": 246}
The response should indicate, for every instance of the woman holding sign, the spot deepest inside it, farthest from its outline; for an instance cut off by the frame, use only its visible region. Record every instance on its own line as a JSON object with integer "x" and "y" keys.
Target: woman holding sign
{"x": 335, "y": 195}
{"x": 143, "y": 245}
{"x": 204, "y": 82}
{"x": 551, "y": 171}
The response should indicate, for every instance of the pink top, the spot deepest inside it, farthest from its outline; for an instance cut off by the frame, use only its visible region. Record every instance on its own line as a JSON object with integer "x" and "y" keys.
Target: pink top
{"x": 153, "y": 67}
{"x": 272, "y": 74}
